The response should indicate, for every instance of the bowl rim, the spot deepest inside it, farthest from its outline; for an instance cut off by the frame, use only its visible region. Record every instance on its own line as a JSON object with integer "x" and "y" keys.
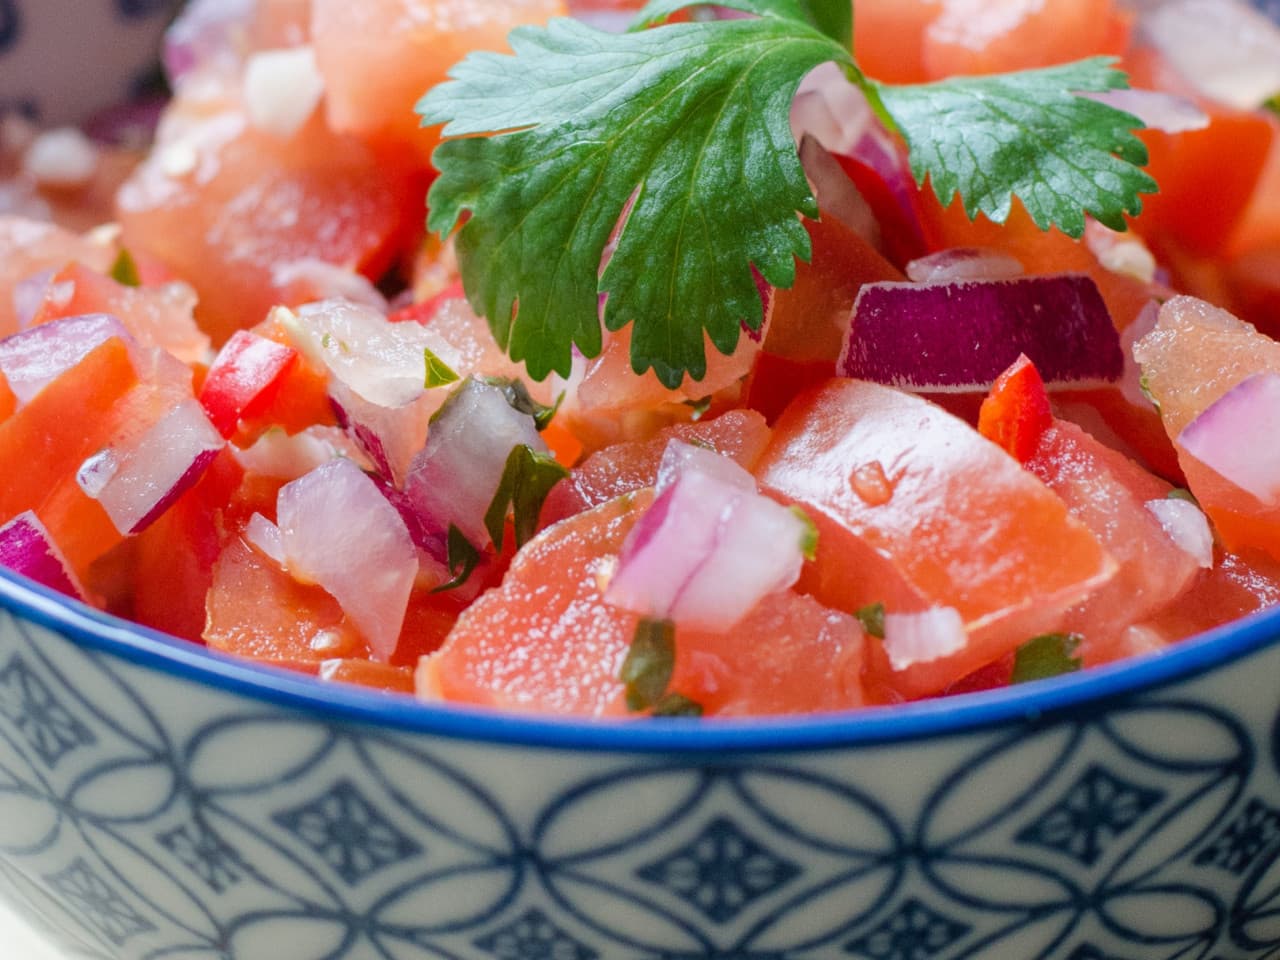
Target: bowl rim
{"x": 1040, "y": 701}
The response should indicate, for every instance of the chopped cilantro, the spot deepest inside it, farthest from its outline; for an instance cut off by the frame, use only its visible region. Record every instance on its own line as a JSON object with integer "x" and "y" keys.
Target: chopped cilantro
{"x": 872, "y": 619}
{"x": 125, "y": 270}
{"x": 649, "y": 663}
{"x": 439, "y": 373}
{"x": 676, "y": 705}
{"x": 809, "y": 541}
{"x": 698, "y": 407}
{"x": 461, "y": 558}
{"x": 520, "y": 399}
{"x": 685, "y": 128}
{"x": 526, "y": 480}
{"x": 1182, "y": 493}
{"x": 1048, "y": 655}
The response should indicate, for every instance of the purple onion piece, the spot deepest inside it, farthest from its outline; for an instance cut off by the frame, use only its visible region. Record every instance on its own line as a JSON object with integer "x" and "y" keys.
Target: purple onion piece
{"x": 962, "y": 335}
{"x": 1236, "y": 436}
{"x": 27, "y": 548}
{"x": 34, "y": 357}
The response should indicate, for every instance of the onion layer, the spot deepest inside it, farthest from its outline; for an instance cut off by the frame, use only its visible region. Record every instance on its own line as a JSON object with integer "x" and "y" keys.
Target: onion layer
{"x": 27, "y": 548}
{"x": 1236, "y": 436}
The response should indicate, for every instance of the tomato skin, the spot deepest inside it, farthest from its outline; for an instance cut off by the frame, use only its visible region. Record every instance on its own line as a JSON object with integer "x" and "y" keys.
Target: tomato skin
{"x": 245, "y": 376}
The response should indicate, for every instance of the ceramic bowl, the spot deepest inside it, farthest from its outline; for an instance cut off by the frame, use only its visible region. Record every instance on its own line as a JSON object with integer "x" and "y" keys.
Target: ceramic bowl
{"x": 159, "y": 802}
{"x": 63, "y": 60}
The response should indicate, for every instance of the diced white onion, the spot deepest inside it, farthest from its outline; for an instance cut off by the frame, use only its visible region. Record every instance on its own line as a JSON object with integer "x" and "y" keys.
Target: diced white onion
{"x": 1187, "y": 526}
{"x": 1236, "y": 436}
{"x": 63, "y": 158}
{"x": 911, "y": 638}
{"x": 34, "y": 357}
{"x": 282, "y": 89}
{"x": 964, "y": 263}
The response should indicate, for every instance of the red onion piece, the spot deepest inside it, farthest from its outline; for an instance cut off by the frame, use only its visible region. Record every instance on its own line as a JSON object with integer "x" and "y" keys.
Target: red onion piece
{"x": 34, "y": 357}
{"x": 29, "y": 294}
{"x": 709, "y": 548}
{"x": 679, "y": 458}
{"x": 964, "y": 263}
{"x": 911, "y": 638}
{"x": 1186, "y": 525}
{"x": 962, "y": 335}
{"x": 207, "y": 34}
{"x": 339, "y": 531}
{"x": 1236, "y": 436}
{"x": 1157, "y": 110}
{"x": 835, "y": 192}
{"x": 455, "y": 476}
{"x": 136, "y": 484}
{"x": 27, "y": 548}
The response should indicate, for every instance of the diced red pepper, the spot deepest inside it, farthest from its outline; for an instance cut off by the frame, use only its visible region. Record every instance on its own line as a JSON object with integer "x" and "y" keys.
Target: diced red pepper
{"x": 1016, "y": 413}
{"x": 245, "y": 376}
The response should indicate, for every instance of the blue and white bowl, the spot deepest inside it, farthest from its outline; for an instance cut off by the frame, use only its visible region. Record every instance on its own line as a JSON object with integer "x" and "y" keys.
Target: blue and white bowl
{"x": 63, "y": 60}
{"x": 159, "y": 803}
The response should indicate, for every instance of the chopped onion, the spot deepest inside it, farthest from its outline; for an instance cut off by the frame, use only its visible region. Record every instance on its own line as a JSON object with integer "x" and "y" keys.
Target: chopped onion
{"x": 1123, "y": 253}
{"x": 27, "y": 548}
{"x": 1236, "y": 436}
{"x": 961, "y": 335}
{"x": 338, "y": 530}
{"x": 287, "y": 457}
{"x": 1225, "y": 49}
{"x": 34, "y": 357}
{"x": 679, "y": 458}
{"x": 1166, "y": 112}
{"x": 830, "y": 109}
{"x": 265, "y": 535}
{"x": 455, "y": 476}
{"x": 709, "y": 548}
{"x": 207, "y": 34}
{"x": 136, "y": 484}
{"x": 1186, "y": 526}
{"x": 836, "y": 194}
{"x": 964, "y": 263}
{"x": 29, "y": 296}
{"x": 911, "y": 638}
{"x": 63, "y": 158}
{"x": 282, "y": 89}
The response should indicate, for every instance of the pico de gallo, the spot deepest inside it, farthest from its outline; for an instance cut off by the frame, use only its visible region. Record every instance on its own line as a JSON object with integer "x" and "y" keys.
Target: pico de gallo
{"x": 246, "y": 398}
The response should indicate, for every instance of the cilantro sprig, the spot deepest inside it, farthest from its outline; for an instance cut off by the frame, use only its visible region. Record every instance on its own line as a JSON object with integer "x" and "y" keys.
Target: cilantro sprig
{"x": 678, "y": 137}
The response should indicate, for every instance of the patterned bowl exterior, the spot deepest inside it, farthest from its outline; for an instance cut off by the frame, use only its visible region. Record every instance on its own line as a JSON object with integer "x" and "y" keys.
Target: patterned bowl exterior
{"x": 157, "y": 802}
{"x": 62, "y": 60}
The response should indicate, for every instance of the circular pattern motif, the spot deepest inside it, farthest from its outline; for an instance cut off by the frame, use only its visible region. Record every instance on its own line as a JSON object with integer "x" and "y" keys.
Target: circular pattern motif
{"x": 145, "y": 816}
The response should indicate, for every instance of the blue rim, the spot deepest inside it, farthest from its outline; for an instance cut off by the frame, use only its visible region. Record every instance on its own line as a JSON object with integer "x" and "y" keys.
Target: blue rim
{"x": 94, "y": 630}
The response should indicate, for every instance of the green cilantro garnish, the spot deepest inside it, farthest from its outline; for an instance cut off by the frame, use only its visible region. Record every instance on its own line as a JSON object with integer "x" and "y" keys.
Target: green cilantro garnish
{"x": 125, "y": 270}
{"x": 809, "y": 541}
{"x": 647, "y": 671}
{"x": 1049, "y": 655}
{"x": 439, "y": 373}
{"x": 1273, "y": 104}
{"x": 682, "y": 133}
{"x": 872, "y": 619}
{"x": 526, "y": 480}
{"x": 461, "y": 558}
{"x": 1182, "y": 493}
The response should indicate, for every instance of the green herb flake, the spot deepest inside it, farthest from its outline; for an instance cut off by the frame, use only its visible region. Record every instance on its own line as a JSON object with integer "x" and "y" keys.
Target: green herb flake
{"x": 1182, "y": 493}
{"x": 520, "y": 400}
{"x": 438, "y": 373}
{"x": 125, "y": 270}
{"x": 526, "y": 480}
{"x": 698, "y": 408}
{"x": 1048, "y": 655}
{"x": 462, "y": 558}
{"x": 676, "y": 705}
{"x": 679, "y": 136}
{"x": 872, "y": 619}
{"x": 650, "y": 661}
{"x": 809, "y": 539}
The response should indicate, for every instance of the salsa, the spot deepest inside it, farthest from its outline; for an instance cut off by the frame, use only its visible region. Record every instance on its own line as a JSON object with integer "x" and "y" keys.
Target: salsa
{"x": 261, "y": 409}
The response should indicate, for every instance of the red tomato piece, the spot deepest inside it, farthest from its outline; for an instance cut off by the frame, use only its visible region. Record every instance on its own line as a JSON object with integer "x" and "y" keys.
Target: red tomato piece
{"x": 245, "y": 376}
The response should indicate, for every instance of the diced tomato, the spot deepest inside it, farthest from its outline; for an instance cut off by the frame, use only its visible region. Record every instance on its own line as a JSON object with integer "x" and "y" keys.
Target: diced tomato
{"x": 632, "y": 465}
{"x": 888, "y": 38}
{"x": 300, "y": 398}
{"x": 423, "y": 312}
{"x": 8, "y": 402}
{"x": 44, "y": 443}
{"x": 244, "y": 378}
{"x": 546, "y": 640}
{"x": 366, "y": 673}
{"x": 901, "y": 235}
{"x": 915, "y": 510}
{"x": 156, "y": 316}
{"x": 28, "y": 247}
{"x": 775, "y": 381}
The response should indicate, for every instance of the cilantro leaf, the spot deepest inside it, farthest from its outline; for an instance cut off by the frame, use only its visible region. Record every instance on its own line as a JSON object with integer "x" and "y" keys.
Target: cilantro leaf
{"x": 1049, "y": 655}
{"x": 125, "y": 270}
{"x": 688, "y": 123}
{"x": 649, "y": 664}
{"x": 526, "y": 480}
{"x": 1026, "y": 134}
{"x": 833, "y": 19}
{"x": 462, "y": 559}
{"x": 439, "y": 373}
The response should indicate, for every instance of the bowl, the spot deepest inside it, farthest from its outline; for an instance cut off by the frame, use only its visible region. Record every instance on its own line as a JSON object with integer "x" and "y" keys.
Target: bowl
{"x": 160, "y": 801}
{"x": 62, "y": 60}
